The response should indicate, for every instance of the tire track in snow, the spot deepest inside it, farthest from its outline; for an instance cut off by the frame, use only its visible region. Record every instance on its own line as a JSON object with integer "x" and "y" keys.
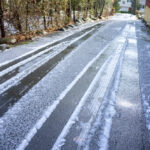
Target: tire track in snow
{"x": 50, "y": 110}
{"x": 24, "y": 81}
{"x": 100, "y": 131}
{"x": 104, "y": 76}
{"x": 17, "y": 76}
{"x": 8, "y": 64}
{"x": 13, "y": 130}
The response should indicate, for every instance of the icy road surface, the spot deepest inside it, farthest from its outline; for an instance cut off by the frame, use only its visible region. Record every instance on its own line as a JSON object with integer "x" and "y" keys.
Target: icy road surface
{"x": 80, "y": 91}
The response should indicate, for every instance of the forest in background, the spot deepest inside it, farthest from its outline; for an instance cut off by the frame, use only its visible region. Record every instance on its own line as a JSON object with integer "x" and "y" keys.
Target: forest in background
{"x": 32, "y": 16}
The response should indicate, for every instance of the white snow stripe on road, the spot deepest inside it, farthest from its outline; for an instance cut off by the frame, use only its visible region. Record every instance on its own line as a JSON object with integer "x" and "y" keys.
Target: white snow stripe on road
{"x": 112, "y": 61}
{"x": 51, "y": 108}
{"x": 107, "y": 111}
{"x": 61, "y": 139}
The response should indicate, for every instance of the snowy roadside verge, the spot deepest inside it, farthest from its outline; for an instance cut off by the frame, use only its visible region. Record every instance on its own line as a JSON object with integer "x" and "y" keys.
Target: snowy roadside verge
{"x": 26, "y": 71}
{"x": 20, "y": 51}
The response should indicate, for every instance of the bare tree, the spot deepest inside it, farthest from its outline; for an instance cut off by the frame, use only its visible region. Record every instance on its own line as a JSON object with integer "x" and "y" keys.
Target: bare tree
{"x": 2, "y": 28}
{"x": 25, "y": 15}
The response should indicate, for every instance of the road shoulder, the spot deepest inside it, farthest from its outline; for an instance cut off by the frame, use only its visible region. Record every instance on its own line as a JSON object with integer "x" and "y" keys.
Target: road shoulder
{"x": 128, "y": 128}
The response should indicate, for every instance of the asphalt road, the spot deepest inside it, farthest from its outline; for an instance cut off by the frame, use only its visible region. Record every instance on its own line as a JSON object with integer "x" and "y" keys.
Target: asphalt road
{"x": 84, "y": 92}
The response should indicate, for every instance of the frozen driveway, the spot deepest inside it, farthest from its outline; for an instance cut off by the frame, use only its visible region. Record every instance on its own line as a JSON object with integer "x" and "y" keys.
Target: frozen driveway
{"x": 81, "y": 92}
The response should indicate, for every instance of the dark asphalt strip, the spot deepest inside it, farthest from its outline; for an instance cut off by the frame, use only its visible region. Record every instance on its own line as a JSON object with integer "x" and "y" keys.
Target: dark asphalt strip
{"x": 12, "y": 95}
{"x": 47, "y": 135}
{"x": 51, "y": 45}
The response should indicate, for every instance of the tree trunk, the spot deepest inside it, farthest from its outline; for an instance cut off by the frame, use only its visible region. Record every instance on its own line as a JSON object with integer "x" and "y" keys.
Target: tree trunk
{"x": 134, "y": 3}
{"x": 79, "y": 9}
{"x": 87, "y": 9}
{"x": 18, "y": 22}
{"x": 56, "y": 14}
{"x": 44, "y": 17}
{"x": 27, "y": 14}
{"x": 95, "y": 10}
{"x": 44, "y": 21}
{"x": 68, "y": 10}
{"x": 2, "y": 28}
{"x": 74, "y": 15}
{"x": 101, "y": 12}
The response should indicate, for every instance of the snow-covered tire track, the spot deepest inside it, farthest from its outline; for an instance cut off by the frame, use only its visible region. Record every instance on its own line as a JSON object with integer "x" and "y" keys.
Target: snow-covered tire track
{"x": 100, "y": 130}
{"x": 92, "y": 101}
{"x": 77, "y": 110}
{"x": 26, "y": 79}
{"x": 64, "y": 99}
{"x": 17, "y": 122}
{"x": 49, "y": 54}
{"x": 8, "y": 64}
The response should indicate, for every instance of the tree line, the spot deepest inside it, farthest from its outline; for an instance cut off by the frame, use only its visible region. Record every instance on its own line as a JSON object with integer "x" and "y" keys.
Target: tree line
{"x": 29, "y": 15}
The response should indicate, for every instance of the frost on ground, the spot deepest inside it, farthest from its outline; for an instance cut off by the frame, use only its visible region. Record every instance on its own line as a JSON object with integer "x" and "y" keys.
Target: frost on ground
{"x": 143, "y": 45}
{"x": 19, "y": 120}
{"x": 21, "y": 50}
{"x": 96, "y": 90}
{"x": 32, "y": 63}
